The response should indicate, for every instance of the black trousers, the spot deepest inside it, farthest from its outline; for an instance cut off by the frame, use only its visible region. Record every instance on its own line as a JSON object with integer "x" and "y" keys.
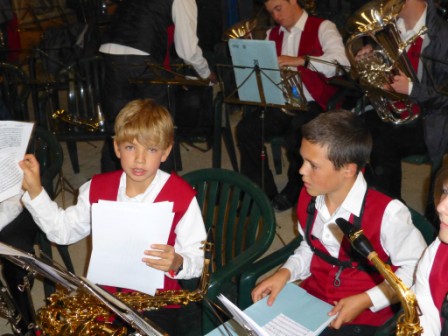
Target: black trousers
{"x": 20, "y": 233}
{"x": 391, "y": 144}
{"x": 275, "y": 123}
{"x": 127, "y": 78}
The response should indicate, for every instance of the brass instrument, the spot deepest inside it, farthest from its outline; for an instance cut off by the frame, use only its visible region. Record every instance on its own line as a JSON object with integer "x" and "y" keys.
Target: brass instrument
{"x": 97, "y": 124}
{"x": 408, "y": 323}
{"x": 377, "y": 21}
{"x": 80, "y": 313}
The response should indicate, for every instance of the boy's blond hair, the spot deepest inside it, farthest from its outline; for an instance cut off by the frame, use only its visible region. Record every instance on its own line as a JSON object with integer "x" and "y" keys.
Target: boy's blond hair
{"x": 145, "y": 121}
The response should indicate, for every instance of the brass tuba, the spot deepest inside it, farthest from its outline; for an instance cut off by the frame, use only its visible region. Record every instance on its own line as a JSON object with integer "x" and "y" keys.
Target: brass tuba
{"x": 376, "y": 21}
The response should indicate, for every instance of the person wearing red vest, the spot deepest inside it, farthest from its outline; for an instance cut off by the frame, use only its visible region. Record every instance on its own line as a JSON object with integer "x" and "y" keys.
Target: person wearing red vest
{"x": 296, "y": 36}
{"x": 144, "y": 135}
{"x": 427, "y": 134}
{"x": 335, "y": 148}
{"x": 431, "y": 283}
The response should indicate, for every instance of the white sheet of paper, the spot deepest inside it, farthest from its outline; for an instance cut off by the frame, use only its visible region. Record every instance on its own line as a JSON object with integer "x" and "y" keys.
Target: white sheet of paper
{"x": 121, "y": 231}
{"x": 14, "y": 139}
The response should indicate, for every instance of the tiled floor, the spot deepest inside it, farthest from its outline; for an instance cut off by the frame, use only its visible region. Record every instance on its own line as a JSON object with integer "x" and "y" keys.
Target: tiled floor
{"x": 415, "y": 179}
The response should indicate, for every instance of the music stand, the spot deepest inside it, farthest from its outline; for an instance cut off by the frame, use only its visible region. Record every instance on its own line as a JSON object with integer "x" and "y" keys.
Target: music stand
{"x": 72, "y": 282}
{"x": 171, "y": 77}
{"x": 285, "y": 82}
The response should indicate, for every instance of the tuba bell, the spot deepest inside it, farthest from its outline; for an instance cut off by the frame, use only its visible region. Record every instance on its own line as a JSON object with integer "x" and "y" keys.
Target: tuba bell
{"x": 376, "y": 22}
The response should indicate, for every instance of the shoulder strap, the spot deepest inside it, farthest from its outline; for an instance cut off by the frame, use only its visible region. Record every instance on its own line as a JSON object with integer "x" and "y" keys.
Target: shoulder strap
{"x": 311, "y": 210}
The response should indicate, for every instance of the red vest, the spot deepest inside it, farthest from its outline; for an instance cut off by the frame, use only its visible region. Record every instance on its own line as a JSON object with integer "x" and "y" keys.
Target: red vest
{"x": 352, "y": 280}
{"x": 438, "y": 280}
{"x": 315, "y": 82}
{"x": 176, "y": 190}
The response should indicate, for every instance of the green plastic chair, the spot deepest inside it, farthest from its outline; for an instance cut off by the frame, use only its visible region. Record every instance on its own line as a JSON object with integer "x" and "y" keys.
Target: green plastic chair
{"x": 243, "y": 227}
{"x": 255, "y": 271}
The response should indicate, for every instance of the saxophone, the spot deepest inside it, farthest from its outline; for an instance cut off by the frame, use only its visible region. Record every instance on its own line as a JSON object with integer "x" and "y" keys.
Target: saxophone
{"x": 408, "y": 323}
{"x": 80, "y": 313}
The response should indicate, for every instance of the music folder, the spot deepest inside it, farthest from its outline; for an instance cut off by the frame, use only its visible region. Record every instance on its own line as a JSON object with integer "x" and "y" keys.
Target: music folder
{"x": 248, "y": 56}
{"x": 294, "y": 313}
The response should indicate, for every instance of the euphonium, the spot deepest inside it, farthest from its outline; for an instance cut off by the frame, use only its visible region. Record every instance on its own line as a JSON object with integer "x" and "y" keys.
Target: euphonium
{"x": 80, "y": 313}
{"x": 376, "y": 21}
{"x": 408, "y": 323}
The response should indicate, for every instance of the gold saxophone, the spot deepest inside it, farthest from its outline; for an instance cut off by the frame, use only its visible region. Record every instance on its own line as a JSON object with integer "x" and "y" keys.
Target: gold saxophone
{"x": 408, "y": 323}
{"x": 80, "y": 313}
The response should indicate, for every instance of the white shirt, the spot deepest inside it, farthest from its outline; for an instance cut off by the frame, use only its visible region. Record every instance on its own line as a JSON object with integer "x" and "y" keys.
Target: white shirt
{"x": 430, "y": 319}
{"x": 407, "y": 34}
{"x": 74, "y": 223}
{"x": 184, "y": 14}
{"x": 400, "y": 239}
{"x": 330, "y": 40}
{"x": 9, "y": 209}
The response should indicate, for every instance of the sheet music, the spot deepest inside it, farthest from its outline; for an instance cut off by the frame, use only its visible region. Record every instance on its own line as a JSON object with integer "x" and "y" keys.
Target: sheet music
{"x": 121, "y": 231}
{"x": 284, "y": 326}
{"x": 14, "y": 139}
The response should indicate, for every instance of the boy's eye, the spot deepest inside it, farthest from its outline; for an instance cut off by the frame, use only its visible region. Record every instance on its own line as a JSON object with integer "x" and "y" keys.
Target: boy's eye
{"x": 129, "y": 147}
{"x": 152, "y": 150}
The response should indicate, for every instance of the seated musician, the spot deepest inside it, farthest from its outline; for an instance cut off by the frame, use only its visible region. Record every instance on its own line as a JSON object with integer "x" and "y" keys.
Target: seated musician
{"x": 426, "y": 134}
{"x": 144, "y": 135}
{"x": 18, "y": 229}
{"x": 297, "y": 35}
{"x": 335, "y": 148}
{"x": 431, "y": 283}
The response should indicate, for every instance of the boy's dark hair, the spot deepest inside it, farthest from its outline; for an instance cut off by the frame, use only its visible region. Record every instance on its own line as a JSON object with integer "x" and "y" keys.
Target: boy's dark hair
{"x": 440, "y": 182}
{"x": 346, "y": 136}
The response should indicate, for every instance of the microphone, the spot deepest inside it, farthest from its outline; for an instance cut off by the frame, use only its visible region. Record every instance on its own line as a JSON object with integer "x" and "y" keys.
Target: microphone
{"x": 356, "y": 237}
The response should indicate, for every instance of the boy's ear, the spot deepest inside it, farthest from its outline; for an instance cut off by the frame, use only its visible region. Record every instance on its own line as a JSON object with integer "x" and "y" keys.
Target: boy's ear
{"x": 166, "y": 152}
{"x": 116, "y": 149}
{"x": 350, "y": 169}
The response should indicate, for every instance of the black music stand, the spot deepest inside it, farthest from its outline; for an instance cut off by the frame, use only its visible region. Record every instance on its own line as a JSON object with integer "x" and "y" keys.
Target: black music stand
{"x": 172, "y": 77}
{"x": 290, "y": 85}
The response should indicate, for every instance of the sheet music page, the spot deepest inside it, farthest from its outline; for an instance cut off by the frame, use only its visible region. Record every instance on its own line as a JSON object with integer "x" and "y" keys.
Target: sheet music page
{"x": 121, "y": 231}
{"x": 284, "y": 326}
{"x": 14, "y": 139}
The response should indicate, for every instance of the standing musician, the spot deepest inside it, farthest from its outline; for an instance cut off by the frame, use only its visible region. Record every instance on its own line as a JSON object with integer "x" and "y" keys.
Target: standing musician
{"x": 428, "y": 55}
{"x": 141, "y": 32}
{"x": 296, "y": 36}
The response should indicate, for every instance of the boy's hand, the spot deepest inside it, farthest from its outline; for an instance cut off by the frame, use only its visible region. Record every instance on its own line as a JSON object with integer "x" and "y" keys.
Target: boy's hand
{"x": 271, "y": 286}
{"x": 31, "y": 175}
{"x": 167, "y": 258}
{"x": 349, "y": 308}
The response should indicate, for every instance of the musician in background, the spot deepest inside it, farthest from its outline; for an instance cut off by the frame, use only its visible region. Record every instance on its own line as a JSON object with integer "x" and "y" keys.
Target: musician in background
{"x": 431, "y": 283}
{"x": 141, "y": 32}
{"x": 144, "y": 135}
{"x": 297, "y": 35}
{"x": 428, "y": 133}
